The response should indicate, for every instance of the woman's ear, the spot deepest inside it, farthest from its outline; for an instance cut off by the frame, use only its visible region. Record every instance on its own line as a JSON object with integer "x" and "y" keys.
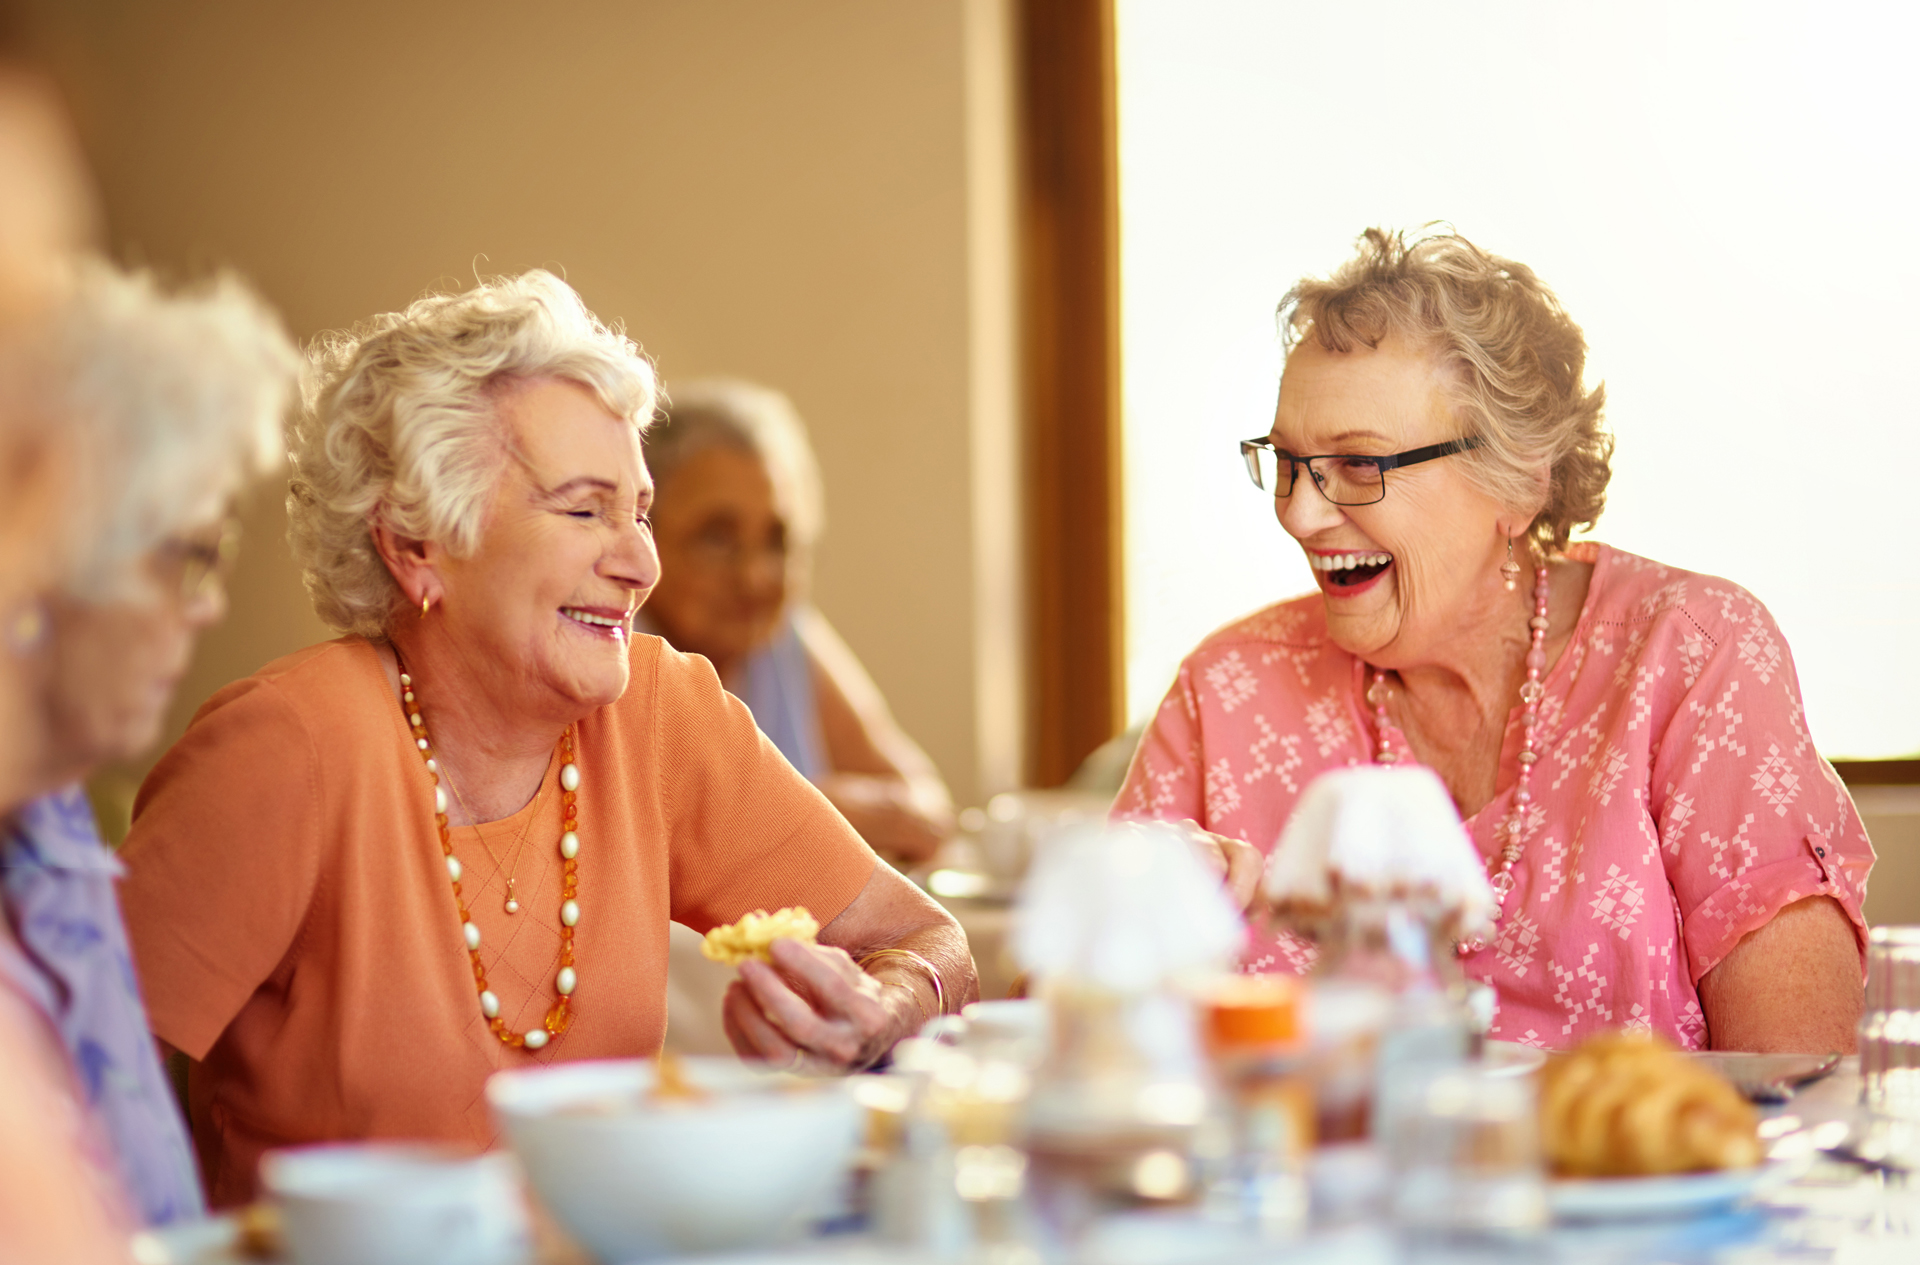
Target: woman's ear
{"x": 413, "y": 564}
{"x": 1514, "y": 524}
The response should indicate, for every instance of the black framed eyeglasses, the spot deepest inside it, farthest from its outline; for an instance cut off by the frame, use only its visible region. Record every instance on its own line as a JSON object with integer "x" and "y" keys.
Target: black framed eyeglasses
{"x": 1343, "y": 478}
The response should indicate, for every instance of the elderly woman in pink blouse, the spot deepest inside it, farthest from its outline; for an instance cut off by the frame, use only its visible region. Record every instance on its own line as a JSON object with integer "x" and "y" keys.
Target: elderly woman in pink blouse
{"x": 1625, "y": 740}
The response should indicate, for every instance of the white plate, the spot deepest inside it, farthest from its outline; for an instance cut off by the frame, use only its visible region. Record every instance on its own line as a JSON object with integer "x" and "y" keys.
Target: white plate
{"x": 1647, "y": 1198}
{"x": 214, "y": 1240}
{"x": 1510, "y": 1058}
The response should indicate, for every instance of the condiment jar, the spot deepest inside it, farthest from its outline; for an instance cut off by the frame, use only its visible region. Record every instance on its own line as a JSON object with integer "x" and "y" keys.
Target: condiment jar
{"x": 1254, "y": 1030}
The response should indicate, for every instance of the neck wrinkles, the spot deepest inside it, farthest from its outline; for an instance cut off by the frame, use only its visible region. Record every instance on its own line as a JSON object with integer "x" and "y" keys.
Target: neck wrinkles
{"x": 494, "y": 753}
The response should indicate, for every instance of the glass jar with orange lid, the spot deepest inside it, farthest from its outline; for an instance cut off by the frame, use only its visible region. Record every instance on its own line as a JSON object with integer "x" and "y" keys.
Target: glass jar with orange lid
{"x": 1255, "y": 1031}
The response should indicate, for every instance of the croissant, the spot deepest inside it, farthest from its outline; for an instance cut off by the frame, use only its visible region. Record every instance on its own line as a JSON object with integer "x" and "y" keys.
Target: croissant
{"x": 1631, "y": 1105}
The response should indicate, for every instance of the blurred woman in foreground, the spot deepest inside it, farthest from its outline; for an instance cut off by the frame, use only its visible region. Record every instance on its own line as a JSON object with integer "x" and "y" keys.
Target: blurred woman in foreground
{"x": 53, "y": 1208}
{"x": 183, "y": 398}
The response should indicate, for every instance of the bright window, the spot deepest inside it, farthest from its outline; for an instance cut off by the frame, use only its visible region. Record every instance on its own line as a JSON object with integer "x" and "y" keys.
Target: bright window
{"x": 1721, "y": 193}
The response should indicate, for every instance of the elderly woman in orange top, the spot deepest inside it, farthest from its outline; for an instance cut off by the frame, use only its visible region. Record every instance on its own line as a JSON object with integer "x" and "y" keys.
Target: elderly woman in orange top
{"x": 452, "y": 840}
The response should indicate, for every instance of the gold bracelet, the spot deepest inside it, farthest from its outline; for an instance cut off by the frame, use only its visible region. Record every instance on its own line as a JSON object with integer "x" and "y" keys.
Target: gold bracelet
{"x": 939, "y": 993}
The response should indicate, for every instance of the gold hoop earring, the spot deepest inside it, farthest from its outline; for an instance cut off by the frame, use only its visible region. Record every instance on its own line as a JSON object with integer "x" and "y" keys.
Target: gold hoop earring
{"x": 26, "y": 629}
{"x": 424, "y": 603}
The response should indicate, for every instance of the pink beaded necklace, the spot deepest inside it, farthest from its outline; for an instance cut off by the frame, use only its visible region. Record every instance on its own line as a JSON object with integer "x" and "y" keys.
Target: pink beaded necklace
{"x": 1500, "y": 870}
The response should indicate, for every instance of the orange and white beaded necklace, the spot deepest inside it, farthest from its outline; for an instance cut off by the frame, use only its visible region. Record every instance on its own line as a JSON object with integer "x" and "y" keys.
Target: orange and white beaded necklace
{"x": 560, "y": 1015}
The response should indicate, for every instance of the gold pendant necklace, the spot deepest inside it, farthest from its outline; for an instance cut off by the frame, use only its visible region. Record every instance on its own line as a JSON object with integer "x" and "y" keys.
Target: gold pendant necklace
{"x": 518, "y": 850}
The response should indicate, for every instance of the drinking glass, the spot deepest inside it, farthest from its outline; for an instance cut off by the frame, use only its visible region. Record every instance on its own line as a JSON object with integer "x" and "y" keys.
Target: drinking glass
{"x": 1890, "y": 1025}
{"x": 1463, "y": 1140}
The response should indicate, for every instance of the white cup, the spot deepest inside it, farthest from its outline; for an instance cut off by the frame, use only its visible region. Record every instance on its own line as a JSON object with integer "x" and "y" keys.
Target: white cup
{"x": 398, "y": 1204}
{"x": 1020, "y": 823}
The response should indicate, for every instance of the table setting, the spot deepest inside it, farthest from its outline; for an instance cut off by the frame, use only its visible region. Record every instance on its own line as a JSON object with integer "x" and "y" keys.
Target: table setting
{"x": 1147, "y": 1104}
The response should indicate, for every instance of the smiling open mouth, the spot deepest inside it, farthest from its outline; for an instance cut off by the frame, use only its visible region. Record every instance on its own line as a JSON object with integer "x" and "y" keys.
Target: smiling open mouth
{"x": 1345, "y": 570}
{"x": 605, "y": 625}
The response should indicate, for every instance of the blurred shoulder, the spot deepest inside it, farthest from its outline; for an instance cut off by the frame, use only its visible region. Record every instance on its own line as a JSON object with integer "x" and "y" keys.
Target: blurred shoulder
{"x": 1281, "y": 648}
{"x": 334, "y": 681}
{"x": 271, "y": 733}
{"x": 1633, "y": 592}
{"x": 1297, "y": 624}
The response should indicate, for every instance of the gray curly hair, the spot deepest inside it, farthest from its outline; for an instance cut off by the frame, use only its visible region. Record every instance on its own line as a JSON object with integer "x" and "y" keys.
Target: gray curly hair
{"x": 1518, "y": 360}
{"x": 730, "y": 412}
{"x": 400, "y": 426}
{"x": 181, "y": 398}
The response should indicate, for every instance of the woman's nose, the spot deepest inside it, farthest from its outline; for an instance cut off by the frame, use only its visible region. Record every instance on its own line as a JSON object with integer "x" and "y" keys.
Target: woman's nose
{"x": 764, "y": 569}
{"x": 634, "y": 560}
{"x": 1306, "y": 511}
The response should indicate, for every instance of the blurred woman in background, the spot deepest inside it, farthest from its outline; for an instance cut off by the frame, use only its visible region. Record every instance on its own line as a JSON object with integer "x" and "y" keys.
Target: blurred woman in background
{"x": 737, "y": 512}
{"x": 182, "y": 397}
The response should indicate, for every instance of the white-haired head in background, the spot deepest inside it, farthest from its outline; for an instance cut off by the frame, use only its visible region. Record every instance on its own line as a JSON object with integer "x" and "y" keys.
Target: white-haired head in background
{"x": 184, "y": 396}
{"x": 732, "y": 412}
{"x": 401, "y": 425}
{"x": 180, "y": 399}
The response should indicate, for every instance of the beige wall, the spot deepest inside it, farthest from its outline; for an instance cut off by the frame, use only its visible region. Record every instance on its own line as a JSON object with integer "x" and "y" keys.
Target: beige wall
{"x": 1892, "y": 815}
{"x": 756, "y": 187}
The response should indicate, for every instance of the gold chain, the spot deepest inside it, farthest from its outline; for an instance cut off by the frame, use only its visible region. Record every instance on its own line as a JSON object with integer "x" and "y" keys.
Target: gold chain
{"x": 519, "y": 847}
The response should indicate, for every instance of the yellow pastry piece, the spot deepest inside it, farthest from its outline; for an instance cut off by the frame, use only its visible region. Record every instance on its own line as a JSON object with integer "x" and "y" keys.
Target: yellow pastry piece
{"x": 670, "y": 1083}
{"x": 755, "y": 933}
{"x": 1630, "y": 1105}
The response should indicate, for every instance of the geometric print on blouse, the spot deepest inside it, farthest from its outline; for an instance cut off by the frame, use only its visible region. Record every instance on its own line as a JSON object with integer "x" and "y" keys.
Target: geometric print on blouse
{"x": 1678, "y": 800}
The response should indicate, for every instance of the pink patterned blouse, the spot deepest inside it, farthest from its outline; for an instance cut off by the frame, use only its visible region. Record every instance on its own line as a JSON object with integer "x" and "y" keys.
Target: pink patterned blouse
{"x": 1678, "y": 802}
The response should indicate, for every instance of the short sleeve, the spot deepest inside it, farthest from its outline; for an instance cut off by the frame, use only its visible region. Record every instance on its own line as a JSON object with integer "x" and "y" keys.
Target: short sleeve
{"x": 747, "y": 830}
{"x": 1164, "y": 779}
{"x": 1751, "y": 819}
{"x": 222, "y": 862}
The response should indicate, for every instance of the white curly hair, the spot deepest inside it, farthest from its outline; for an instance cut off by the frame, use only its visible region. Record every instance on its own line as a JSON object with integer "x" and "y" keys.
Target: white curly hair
{"x": 179, "y": 398}
{"x": 400, "y": 426}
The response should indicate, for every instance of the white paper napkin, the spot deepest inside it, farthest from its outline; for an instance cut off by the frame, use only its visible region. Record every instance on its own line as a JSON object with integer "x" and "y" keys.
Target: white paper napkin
{"x": 1381, "y": 829}
{"x": 1125, "y": 907}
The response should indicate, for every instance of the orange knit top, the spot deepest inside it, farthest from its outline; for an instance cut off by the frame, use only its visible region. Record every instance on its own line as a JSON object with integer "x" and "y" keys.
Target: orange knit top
{"x": 295, "y": 929}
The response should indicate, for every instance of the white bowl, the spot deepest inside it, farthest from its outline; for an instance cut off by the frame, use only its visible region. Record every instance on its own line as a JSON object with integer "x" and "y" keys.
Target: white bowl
{"x": 630, "y": 1179}
{"x": 384, "y": 1203}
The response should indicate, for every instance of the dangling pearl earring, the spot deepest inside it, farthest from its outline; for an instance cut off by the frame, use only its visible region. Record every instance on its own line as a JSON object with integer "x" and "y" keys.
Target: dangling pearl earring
{"x": 1509, "y": 570}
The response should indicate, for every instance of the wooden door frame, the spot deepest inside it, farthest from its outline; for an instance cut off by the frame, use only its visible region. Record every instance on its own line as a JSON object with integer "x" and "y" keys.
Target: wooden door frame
{"x": 1070, "y": 336}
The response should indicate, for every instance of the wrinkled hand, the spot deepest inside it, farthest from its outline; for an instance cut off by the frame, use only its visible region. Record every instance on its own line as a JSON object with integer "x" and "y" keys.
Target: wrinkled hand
{"x": 814, "y": 1007}
{"x": 1238, "y": 862}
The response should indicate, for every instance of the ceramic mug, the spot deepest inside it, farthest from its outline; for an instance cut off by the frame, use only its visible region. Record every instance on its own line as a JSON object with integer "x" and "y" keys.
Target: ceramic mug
{"x": 398, "y": 1204}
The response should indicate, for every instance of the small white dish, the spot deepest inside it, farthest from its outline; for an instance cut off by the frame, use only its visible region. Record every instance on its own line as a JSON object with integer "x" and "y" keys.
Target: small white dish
{"x": 397, "y": 1204}
{"x": 1656, "y": 1198}
{"x": 1510, "y": 1058}
{"x": 211, "y": 1240}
